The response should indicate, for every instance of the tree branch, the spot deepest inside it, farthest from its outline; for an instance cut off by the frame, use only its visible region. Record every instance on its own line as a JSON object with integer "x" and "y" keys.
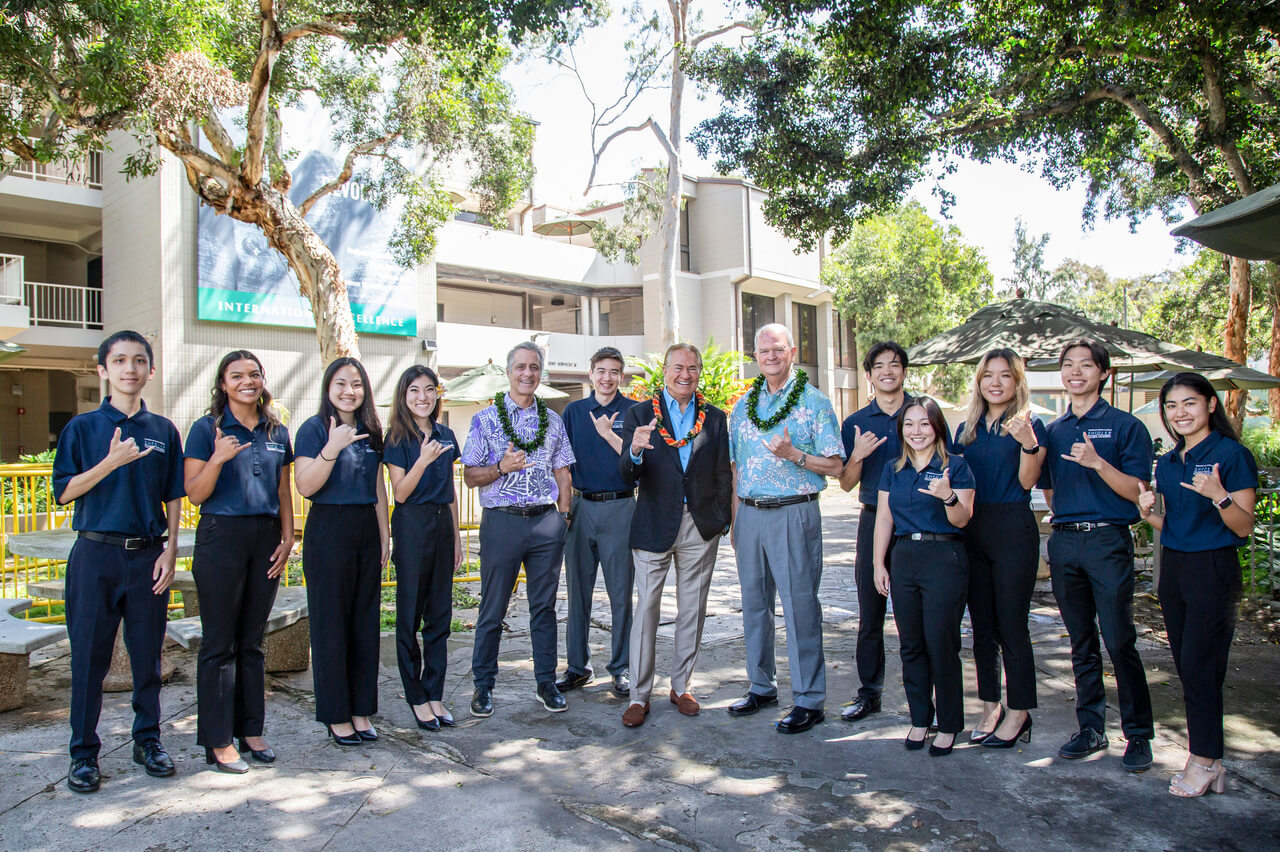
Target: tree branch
{"x": 282, "y": 179}
{"x": 701, "y": 37}
{"x": 259, "y": 94}
{"x": 199, "y": 160}
{"x": 650, "y": 124}
{"x": 348, "y": 169}
{"x": 218, "y": 137}
{"x": 1218, "y": 124}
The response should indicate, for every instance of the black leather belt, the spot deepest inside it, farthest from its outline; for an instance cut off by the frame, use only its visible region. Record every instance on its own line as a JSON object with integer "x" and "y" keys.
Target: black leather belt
{"x": 128, "y": 543}
{"x": 605, "y": 496}
{"x": 1081, "y": 526}
{"x": 778, "y": 502}
{"x": 524, "y": 511}
{"x": 931, "y": 537}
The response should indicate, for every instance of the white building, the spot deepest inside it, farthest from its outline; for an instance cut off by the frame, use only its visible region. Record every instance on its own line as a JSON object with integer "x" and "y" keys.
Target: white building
{"x": 84, "y": 252}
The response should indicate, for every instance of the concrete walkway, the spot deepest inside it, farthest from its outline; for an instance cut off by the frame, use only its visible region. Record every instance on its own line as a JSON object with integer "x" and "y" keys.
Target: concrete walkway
{"x": 528, "y": 779}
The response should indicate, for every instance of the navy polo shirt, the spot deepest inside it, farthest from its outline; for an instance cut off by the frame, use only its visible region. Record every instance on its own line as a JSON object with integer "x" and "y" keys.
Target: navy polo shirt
{"x": 1079, "y": 494}
{"x": 994, "y": 458}
{"x": 353, "y": 479}
{"x": 1191, "y": 521}
{"x": 436, "y": 484}
{"x": 130, "y": 500}
{"x": 914, "y": 512}
{"x": 596, "y": 465}
{"x": 249, "y": 482}
{"x": 870, "y": 418}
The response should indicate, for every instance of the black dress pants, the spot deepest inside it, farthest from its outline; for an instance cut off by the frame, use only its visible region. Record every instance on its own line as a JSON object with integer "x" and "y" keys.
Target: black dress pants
{"x": 230, "y": 564}
{"x": 341, "y": 557}
{"x": 869, "y": 651}
{"x": 422, "y": 548}
{"x": 1003, "y": 545}
{"x": 506, "y": 543}
{"x": 1198, "y": 595}
{"x": 1093, "y": 582}
{"x": 106, "y": 583}
{"x": 929, "y": 581}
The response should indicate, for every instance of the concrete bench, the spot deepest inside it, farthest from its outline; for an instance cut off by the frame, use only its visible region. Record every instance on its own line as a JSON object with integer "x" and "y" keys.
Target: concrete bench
{"x": 18, "y": 638}
{"x": 287, "y": 646}
{"x": 120, "y": 674}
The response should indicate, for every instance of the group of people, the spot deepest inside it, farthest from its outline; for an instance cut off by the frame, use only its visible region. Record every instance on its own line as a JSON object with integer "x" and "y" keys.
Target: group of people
{"x": 630, "y": 489}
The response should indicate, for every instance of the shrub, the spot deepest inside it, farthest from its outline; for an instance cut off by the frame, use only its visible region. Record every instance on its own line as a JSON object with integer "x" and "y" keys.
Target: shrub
{"x": 720, "y": 382}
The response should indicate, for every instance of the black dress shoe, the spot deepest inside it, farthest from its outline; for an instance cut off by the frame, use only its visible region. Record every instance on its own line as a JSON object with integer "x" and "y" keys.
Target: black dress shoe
{"x": 936, "y": 750}
{"x": 482, "y": 701}
{"x": 83, "y": 777}
{"x": 551, "y": 698}
{"x": 573, "y": 680}
{"x": 152, "y": 756}
{"x": 860, "y": 708}
{"x": 368, "y": 734}
{"x": 622, "y": 685}
{"x": 1083, "y": 744}
{"x": 1024, "y": 734}
{"x": 265, "y": 755}
{"x": 799, "y": 719}
{"x": 344, "y": 739}
{"x": 446, "y": 719}
{"x": 235, "y": 767}
{"x": 751, "y": 703}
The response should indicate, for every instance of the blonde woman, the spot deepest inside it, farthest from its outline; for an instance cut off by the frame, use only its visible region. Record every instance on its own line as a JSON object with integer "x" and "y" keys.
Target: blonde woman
{"x": 1003, "y": 444}
{"x": 925, "y": 500}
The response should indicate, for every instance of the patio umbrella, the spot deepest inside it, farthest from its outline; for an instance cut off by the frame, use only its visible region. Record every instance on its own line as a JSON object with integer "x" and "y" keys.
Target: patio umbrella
{"x": 1034, "y": 330}
{"x": 1237, "y": 378}
{"x": 1248, "y": 228}
{"x": 567, "y": 227}
{"x": 10, "y": 350}
{"x": 479, "y": 384}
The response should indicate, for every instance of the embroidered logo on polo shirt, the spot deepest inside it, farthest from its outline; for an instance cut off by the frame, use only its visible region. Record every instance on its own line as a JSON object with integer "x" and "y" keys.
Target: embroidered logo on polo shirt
{"x": 1206, "y": 469}
{"x": 617, "y": 425}
{"x": 153, "y": 444}
{"x": 930, "y": 476}
{"x": 273, "y": 447}
{"x": 1095, "y": 434}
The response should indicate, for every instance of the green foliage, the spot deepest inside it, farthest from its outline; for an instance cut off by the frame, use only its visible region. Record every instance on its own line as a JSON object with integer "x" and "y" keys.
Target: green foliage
{"x": 838, "y": 109}
{"x": 720, "y": 381}
{"x": 1260, "y": 559}
{"x": 642, "y": 205}
{"x": 1264, "y": 443}
{"x": 1190, "y": 307}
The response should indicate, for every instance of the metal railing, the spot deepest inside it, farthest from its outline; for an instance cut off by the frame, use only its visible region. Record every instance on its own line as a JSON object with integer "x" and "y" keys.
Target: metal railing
{"x": 64, "y": 305}
{"x": 1260, "y": 559}
{"x": 83, "y": 172}
{"x": 27, "y": 505}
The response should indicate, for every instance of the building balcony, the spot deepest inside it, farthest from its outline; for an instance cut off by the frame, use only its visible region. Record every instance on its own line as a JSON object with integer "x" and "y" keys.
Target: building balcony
{"x": 37, "y": 304}
{"x": 461, "y": 345}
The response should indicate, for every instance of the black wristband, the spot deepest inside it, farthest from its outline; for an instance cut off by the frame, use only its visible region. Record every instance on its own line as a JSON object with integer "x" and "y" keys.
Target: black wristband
{"x": 952, "y": 500}
{"x": 334, "y": 459}
{"x": 1032, "y": 451}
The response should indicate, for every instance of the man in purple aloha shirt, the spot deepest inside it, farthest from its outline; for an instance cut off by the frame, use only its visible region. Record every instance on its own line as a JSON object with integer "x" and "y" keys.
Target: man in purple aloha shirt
{"x": 519, "y": 457}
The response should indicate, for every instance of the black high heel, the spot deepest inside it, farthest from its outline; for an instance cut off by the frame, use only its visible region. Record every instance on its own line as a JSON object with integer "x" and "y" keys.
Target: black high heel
{"x": 368, "y": 734}
{"x": 1024, "y": 734}
{"x": 344, "y": 739}
{"x": 432, "y": 724}
{"x": 979, "y": 736}
{"x": 916, "y": 745}
{"x": 941, "y": 751}
{"x": 266, "y": 755}
{"x": 235, "y": 767}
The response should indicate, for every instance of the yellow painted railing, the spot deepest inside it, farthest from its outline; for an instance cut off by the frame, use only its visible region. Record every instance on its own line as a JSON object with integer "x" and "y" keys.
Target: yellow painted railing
{"x": 28, "y": 506}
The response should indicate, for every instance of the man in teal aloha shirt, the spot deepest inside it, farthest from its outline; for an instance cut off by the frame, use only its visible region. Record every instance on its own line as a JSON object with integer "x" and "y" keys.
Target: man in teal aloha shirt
{"x": 784, "y": 441}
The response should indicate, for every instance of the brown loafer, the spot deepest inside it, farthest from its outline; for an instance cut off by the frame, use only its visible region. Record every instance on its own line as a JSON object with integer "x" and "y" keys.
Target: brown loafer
{"x": 687, "y": 704}
{"x": 634, "y": 715}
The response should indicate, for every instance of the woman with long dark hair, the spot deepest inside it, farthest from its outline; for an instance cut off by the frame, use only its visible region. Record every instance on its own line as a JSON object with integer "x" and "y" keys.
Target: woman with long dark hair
{"x": 426, "y": 546}
{"x": 237, "y": 471}
{"x": 926, "y": 499}
{"x": 344, "y": 547}
{"x": 1002, "y": 443}
{"x": 1209, "y": 483}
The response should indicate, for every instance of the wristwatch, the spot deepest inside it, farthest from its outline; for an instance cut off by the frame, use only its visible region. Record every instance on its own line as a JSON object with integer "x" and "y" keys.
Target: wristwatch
{"x": 1032, "y": 451}
{"x": 952, "y": 500}
{"x": 1224, "y": 502}
{"x": 803, "y": 459}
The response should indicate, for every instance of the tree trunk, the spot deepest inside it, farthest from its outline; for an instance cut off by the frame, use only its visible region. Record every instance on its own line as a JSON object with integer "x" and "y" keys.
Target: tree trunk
{"x": 668, "y": 262}
{"x": 1273, "y": 361}
{"x": 320, "y": 279}
{"x": 1235, "y": 331}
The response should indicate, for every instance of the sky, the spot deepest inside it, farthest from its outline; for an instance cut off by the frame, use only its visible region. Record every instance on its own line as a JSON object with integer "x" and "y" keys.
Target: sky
{"x": 988, "y": 198}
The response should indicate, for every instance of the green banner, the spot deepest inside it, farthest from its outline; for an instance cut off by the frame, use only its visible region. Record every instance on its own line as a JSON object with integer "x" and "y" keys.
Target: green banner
{"x": 293, "y": 311}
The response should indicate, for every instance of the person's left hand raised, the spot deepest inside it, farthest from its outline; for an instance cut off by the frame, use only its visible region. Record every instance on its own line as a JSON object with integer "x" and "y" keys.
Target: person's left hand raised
{"x": 1207, "y": 485}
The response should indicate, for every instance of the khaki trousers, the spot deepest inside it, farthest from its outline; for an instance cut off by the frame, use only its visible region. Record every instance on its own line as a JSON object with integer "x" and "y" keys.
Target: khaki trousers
{"x": 694, "y": 560}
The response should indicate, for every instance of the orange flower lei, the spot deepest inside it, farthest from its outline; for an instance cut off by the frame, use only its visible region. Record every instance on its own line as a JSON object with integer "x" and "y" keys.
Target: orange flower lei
{"x": 700, "y": 403}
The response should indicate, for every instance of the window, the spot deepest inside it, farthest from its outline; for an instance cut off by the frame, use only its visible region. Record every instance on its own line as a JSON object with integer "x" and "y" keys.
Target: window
{"x": 757, "y": 311}
{"x": 846, "y": 342}
{"x": 806, "y": 332}
{"x": 685, "y": 261}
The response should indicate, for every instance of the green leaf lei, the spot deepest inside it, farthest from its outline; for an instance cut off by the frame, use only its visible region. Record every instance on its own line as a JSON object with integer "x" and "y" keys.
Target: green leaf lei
{"x": 753, "y": 401}
{"x": 504, "y": 420}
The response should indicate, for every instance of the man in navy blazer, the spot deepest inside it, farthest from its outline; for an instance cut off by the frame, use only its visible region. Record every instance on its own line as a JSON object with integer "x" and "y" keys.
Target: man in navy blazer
{"x": 678, "y": 455}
